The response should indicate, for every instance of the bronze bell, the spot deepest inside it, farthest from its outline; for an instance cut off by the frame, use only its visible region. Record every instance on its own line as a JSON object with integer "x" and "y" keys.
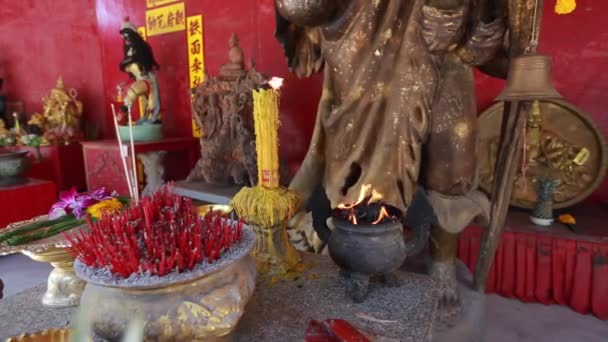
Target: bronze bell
{"x": 529, "y": 78}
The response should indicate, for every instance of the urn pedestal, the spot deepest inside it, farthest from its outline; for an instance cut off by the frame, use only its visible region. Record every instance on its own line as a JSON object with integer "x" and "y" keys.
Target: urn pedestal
{"x": 274, "y": 254}
{"x": 64, "y": 288}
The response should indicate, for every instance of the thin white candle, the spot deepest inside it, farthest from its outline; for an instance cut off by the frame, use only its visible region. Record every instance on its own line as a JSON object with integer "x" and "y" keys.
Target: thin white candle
{"x": 135, "y": 190}
{"x": 122, "y": 157}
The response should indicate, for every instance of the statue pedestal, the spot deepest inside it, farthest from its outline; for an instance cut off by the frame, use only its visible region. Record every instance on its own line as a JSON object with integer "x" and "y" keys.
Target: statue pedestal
{"x": 144, "y": 132}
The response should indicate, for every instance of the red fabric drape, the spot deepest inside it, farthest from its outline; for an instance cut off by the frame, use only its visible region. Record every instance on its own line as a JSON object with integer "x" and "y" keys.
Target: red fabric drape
{"x": 547, "y": 269}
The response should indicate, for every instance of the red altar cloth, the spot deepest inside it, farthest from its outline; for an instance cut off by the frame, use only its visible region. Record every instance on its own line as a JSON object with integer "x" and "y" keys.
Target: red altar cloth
{"x": 103, "y": 165}
{"x": 548, "y": 265}
{"x": 22, "y": 202}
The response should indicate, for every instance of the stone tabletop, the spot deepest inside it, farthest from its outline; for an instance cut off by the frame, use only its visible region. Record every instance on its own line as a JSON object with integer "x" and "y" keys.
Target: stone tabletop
{"x": 280, "y": 311}
{"x": 24, "y": 312}
{"x": 202, "y": 191}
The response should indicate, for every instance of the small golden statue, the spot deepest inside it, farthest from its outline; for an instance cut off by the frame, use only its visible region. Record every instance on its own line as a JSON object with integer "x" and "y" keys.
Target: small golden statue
{"x": 60, "y": 121}
{"x": 3, "y": 130}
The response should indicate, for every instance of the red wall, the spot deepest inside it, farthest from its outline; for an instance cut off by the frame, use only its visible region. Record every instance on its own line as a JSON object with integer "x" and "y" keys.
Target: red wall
{"x": 80, "y": 36}
{"x": 252, "y": 21}
{"x": 41, "y": 40}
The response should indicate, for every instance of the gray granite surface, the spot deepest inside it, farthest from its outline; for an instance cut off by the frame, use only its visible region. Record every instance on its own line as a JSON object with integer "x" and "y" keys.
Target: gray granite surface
{"x": 24, "y": 312}
{"x": 281, "y": 311}
{"x": 202, "y": 191}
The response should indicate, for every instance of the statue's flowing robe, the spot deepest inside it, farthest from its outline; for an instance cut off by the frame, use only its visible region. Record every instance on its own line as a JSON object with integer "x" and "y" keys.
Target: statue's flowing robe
{"x": 396, "y": 72}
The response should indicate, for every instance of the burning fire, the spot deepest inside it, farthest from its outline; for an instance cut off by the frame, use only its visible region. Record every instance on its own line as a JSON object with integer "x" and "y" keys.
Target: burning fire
{"x": 367, "y": 196}
{"x": 275, "y": 83}
{"x": 383, "y": 214}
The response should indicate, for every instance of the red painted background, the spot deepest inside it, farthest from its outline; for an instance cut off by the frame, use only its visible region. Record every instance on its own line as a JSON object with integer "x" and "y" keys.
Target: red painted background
{"x": 40, "y": 39}
{"x": 252, "y": 21}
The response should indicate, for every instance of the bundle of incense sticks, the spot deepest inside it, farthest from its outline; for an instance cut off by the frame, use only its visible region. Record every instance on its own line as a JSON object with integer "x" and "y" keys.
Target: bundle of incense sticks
{"x": 130, "y": 175}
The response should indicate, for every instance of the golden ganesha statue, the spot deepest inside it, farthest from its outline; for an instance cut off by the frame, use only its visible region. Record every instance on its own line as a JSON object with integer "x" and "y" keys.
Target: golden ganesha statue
{"x": 61, "y": 117}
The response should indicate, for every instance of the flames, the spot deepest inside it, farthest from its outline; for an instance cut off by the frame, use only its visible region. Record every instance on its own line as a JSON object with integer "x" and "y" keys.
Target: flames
{"x": 367, "y": 196}
{"x": 383, "y": 214}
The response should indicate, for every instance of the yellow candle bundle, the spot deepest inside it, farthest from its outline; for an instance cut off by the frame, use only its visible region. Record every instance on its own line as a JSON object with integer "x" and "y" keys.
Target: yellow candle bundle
{"x": 266, "y": 117}
{"x": 267, "y": 204}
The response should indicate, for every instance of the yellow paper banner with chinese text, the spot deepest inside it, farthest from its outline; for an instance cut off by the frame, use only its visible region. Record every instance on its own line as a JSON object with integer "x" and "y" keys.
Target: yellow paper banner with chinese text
{"x": 196, "y": 59}
{"x": 142, "y": 32}
{"x": 166, "y": 19}
{"x": 154, "y": 3}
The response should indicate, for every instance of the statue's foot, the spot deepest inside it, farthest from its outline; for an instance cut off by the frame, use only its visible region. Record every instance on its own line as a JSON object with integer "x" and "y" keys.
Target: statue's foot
{"x": 450, "y": 303}
{"x": 357, "y": 287}
{"x": 391, "y": 279}
{"x": 344, "y": 274}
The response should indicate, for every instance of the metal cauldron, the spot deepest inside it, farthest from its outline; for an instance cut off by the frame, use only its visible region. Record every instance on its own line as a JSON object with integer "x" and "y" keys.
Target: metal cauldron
{"x": 366, "y": 250}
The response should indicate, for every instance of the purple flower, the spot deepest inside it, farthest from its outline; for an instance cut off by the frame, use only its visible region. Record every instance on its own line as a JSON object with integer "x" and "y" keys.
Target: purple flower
{"x": 71, "y": 202}
{"x": 101, "y": 194}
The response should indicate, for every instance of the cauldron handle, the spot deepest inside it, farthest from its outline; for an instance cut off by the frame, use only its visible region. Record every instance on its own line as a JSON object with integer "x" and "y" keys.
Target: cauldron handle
{"x": 419, "y": 217}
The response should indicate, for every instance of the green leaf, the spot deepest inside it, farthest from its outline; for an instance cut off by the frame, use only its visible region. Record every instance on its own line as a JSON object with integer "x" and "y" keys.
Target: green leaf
{"x": 35, "y": 226}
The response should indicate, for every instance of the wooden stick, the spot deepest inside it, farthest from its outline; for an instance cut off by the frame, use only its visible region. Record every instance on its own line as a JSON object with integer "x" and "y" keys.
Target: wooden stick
{"x": 134, "y": 164}
{"x": 122, "y": 158}
{"x": 509, "y": 152}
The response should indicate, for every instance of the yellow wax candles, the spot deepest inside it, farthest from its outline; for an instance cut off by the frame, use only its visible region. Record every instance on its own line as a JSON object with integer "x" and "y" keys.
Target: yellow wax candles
{"x": 266, "y": 117}
{"x": 267, "y": 204}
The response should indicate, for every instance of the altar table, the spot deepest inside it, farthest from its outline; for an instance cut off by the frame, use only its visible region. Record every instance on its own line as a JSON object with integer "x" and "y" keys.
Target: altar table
{"x": 22, "y": 202}
{"x": 157, "y": 161}
{"x": 549, "y": 265}
{"x": 280, "y": 311}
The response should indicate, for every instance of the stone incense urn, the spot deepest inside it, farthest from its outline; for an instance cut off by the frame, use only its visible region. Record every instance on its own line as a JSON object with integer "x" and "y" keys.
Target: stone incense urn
{"x": 202, "y": 304}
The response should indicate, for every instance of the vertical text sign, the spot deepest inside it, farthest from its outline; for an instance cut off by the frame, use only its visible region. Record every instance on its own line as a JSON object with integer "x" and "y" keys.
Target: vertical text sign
{"x": 166, "y": 19}
{"x": 154, "y": 3}
{"x": 196, "y": 58}
{"x": 142, "y": 32}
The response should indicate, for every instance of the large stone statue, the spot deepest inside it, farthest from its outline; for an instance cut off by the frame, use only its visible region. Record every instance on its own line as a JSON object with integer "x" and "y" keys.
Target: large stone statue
{"x": 398, "y": 106}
